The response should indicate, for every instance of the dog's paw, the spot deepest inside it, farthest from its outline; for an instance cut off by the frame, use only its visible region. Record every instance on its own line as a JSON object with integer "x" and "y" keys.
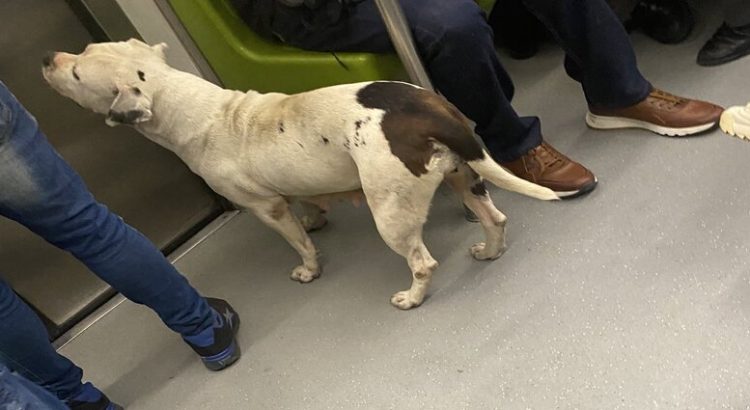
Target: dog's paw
{"x": 313, "y": 223}
{"x": 303, "y": 275}
{"x": 403, "y": 300}
{"x": 480, "y": 252}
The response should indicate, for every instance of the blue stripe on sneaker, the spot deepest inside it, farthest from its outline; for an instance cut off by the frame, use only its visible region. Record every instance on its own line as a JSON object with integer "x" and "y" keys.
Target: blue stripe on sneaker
{"x": 224, "y": 354}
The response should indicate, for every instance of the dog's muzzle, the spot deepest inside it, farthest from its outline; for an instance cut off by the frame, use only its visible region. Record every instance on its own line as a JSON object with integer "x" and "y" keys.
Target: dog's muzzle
{"x": 49, "y": 59}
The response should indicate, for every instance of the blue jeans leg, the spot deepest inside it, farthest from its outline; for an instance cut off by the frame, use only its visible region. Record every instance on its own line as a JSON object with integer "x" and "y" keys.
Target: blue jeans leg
{"x": 24, "y": 347}
{"x": 17, "y": 393}
{"x": 39, "y": 190}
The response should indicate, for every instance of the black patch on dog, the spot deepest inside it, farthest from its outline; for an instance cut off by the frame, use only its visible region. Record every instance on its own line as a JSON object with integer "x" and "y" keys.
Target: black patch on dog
{"x": 479, "y": 189}
{"x": 358, "y": 126}
{"x": 136, "y": 91}
{"x": 414, "y": 118}
{"x": 325, "y": 140}
{"x": 127, "y": 117}
{"x": 281, "y": 127}
{"x": 141, "y": 75}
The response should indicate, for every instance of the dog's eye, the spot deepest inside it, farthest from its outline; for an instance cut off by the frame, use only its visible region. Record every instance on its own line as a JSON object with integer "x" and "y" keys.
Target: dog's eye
{"x": 75, "y": 75}
{"x": 115, "y": 91}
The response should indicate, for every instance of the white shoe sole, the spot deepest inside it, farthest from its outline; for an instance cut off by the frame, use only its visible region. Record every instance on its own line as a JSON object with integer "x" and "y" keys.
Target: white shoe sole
{"x": 735, "y": 121}
{"x": 574, "y": 194}
{"x": 612, "y": 123}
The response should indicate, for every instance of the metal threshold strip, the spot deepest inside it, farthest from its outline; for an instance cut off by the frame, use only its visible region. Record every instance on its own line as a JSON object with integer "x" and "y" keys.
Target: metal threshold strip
{"x": 116, "y": 300}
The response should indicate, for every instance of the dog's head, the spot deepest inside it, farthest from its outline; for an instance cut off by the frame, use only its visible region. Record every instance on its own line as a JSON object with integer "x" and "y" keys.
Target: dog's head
{"x": 108, "y": 78}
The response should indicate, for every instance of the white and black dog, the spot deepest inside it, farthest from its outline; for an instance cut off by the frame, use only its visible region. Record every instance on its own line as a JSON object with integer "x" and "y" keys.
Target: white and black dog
{"x": 390, "y": 142}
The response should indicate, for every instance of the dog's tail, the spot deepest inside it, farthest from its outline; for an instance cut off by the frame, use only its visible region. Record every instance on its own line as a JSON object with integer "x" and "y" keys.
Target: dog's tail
{"x": 456, "y": 131}
{"x": 490, "y": 170}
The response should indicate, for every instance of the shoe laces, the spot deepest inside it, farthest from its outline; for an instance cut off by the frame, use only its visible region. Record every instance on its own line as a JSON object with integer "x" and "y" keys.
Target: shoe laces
{"x": 664, "y": 100}
{"x": 547, "y": 155}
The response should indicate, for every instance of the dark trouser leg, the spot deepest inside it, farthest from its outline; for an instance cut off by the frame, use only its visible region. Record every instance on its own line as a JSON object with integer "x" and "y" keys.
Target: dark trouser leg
{"x": 599, "y": 54}
{"x": 737, "y": 13}
{"x": 456, "y": 46}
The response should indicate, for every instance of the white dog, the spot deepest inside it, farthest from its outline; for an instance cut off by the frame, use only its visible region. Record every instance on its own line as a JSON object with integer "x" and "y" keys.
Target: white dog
{"x": 391, "y": 142}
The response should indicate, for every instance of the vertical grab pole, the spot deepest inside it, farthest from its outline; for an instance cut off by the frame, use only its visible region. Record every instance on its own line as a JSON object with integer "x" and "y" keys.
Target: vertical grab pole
{"x": 400, "y": 34}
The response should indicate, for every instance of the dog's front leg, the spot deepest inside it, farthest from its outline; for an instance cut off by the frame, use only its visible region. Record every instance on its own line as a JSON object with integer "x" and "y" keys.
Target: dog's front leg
{"x": 275, "y": 213}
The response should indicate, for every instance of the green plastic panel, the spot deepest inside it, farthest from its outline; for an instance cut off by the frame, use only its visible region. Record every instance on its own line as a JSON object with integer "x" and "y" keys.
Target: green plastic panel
{"x": 243, "y": 60}
{"x": 486, "y": 5}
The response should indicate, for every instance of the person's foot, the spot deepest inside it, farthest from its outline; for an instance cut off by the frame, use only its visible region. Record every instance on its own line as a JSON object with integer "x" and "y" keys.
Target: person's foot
{"x": 91, "y": 398}
{"x": 102, "y": 404}
{"x": 224, "y": 350}
{"x": 666, "y": 21}
{"x": 661, "y": 112}
{"x": 727, "y": 44}
{"x": 549, "y": 168}
{"x": 735, "y": 121}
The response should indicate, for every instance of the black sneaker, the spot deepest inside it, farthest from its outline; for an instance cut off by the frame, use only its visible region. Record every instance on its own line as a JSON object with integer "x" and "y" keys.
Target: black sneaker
{"x": 91, "y": 398}
{"x": 102, "y": 404}
{"x": 225, "y": 350}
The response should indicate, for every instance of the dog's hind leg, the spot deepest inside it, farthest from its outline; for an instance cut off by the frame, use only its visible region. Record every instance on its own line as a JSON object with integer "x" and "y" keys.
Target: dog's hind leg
{"x": 312, "y": 217}
{"x": 474, "y": 194}
{"x": 400, "y": 207}
{"x": 275, "y": 213}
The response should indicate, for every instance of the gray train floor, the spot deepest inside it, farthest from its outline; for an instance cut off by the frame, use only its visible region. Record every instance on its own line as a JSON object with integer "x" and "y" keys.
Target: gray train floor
{"x": 635, "y": 297}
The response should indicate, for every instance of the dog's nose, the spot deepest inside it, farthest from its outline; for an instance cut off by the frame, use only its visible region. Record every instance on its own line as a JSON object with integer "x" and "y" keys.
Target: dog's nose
{"x": 49, "y": 58}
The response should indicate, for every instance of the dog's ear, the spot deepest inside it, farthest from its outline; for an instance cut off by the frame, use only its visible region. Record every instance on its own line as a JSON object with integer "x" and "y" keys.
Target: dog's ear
{"x": 131, "y": 106}
{"x": 159, "y": 49}
{"x": 137, "y": 43}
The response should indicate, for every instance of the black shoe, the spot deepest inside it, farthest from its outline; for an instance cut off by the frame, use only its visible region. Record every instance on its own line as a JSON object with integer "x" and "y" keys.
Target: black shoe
{"x": 666, "y": 21}
{"x": 225, "y": 350}
{"x": 102, "y": 404}
{"x": 727, "y": 44}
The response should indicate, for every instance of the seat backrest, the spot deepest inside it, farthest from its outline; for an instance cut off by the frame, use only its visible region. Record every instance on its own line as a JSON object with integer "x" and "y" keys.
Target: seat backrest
{"x": 243, "y": 60}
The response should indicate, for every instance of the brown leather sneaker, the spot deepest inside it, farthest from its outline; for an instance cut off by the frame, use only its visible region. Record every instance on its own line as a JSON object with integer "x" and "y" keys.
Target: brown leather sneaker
{"x": 661, "y": 112}
{"x": 547, "y": 167}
